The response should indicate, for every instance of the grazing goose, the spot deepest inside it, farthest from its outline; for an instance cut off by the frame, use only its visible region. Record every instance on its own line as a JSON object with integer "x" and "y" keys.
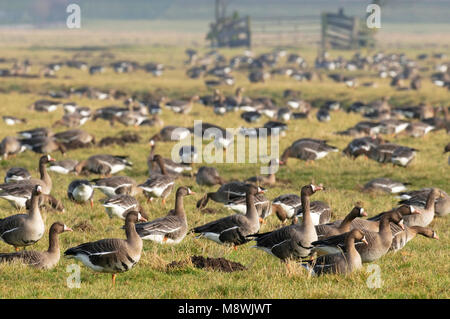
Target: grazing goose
{"x": 43, "y": 145}
{"x": 120, "y": 205}
{"x": 171, "y": 133}
{"x": 36, "y": 132}
{"x": 320, "y": 213}
{"x": 327, "y": 230}
{"x": 307, "y": 150}
{"x": 266, "y": 179}
{"x": 24, "y": 229}
{"x": 18, "y": 192}
{"x": 378, "y": 243}
{"x": 111, "y": 255}
{"x": 323, "y": 115}
{"x": 37, "y": 259}
{"x": 340, "y": 263}
{"x": 81, "y": 191}
{"x": 292, "y": 241}
{"x": 10, "y": 146}
{"x": 419, "y": 198}
{"x": 224, "y": 194}
{"x": 393, "y": 153}
{"x": 45, "y": 106}
{"x": 72, "y": 139}
{"x": 116, "y": 185}
{"x": 63, "y": 167}
{"x": 16, "y": 174}
{"x": 401, "y": 239}
{"x": 180, "y": 106}
{"x": 286, "y": 205}
{"x": 170, "y": 229}
{"x": 362, "y": 146}
{"x": 262, "y": 204}
{"x": 385, "y": 185}
{"x": 418, "y": 129}
{"x": 235, "y": 228}
{"x": 12, "y": 120}
{"x": 158, "y": 185}
{"x": 47, "y": 202}
{"x": 208, "y": 176}
{"x": 103, "y": 164}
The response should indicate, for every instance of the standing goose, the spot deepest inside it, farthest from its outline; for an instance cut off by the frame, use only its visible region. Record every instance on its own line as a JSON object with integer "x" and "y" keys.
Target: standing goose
{"x": 120, "y": 205}
{"x": 327, "y": 230}
{"x": 234, "y": 229}
{"x": 115, "y": 185}
{"x": 16, "y": 174}
{"x": 208, "y": 176}
{"x": 292, "y": 241}
{"x": 340, "y": 263}
{"x": 42, "y": 145}
{"x": 111, "y": 255}
{"x": 401, "y": 239}
{"x": 307, "y": 150}
{"x": 170, "y": 229}
{"x": 171, "y": 133}
{"x": 158, "y": 185}
{"x": 224, "y": 194}
{"x": 419, "y": 199}
{"x": 81, "y": 191}
{"x": 426, "y": 214}
{"x": 37, "y": 259}
{"x": 10, "y": 146}
{"x": 378, "y": 243}
{"x": 103, "y": 164}
{"x": 24, "y": 229}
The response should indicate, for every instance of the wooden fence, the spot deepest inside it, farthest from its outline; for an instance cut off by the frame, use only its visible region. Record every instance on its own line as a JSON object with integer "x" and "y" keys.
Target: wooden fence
{"x": 344, "y": 32}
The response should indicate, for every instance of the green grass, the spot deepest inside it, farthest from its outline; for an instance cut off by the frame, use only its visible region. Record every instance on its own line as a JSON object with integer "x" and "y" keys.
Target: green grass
{"x": 420, "y": 270}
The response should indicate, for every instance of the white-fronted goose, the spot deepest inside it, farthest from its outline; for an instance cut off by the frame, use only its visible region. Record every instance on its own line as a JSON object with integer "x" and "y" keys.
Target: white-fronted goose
{"x": 323, "y": 115}
{"x": 158, "y": 185}
{"x": 17, "y": 193}
{"x": 172, "y": 168}
{"x": 47, "y": 201}
{"x": 419, "y": 197}
{"x": 12, "y": 120}
{"x": 45, "y": 105}
{"x": 37, "y": 259}
{"x": 426, "y": 213}
{"x": 10, "y": 146}
{"x": 307, "y": 150}
{"x": 393, "y": 153}
{"x": 120, "y": 205}
{"x": 234, "y": 229}
{"x": 116, "y": 185}
{"x": 208, "y": 176}
{"x": 262, "y": 204}
{"x": 111, "y": 255}
{"x": 293, "y": 241}
{"x": 171, "y": 133}
{"x": 36, "y": 132}
{"x": 180, "y": 106}
{"x": 392, "y": 126}
{"x": 320, "y": 213}
{"x": 78, "y": 138}
{"x": 170, "y": 229}
{"x": 224, "y": 194}
{"x": 81, "y": 191}
{"x": 266, "y": 179}
{"x": 24, "y": 229}
{"x": 286, "y": 205}
{"x": 340, "y": 263}
{"x": 103, "y": 164}
{"x": 63, "y": 167}
{"x": 43, "y": 145}
{"x": 331, "y": 229}
{"x": 385, "y": 185}
{"x": 362, "y": 146}
{"x": 418, "y": 129}
{"x": 401, "y": 239}
{"x": 378, "y": 243}
{"x": 16, "y": 174}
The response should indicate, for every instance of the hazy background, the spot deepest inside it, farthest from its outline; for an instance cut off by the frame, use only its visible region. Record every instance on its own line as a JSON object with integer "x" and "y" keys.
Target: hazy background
{"x": 186, "y": 22}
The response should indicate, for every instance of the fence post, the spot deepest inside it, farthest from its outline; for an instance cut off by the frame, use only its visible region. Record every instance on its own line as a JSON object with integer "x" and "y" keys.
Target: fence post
{"x": 324, "y": 31}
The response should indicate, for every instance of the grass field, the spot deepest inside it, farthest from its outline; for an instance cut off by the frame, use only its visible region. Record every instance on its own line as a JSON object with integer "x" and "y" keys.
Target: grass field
{"x": 420, "y": 270}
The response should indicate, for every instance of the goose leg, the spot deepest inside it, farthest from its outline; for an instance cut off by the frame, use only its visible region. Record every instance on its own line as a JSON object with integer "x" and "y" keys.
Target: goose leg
{"x": 164, "y": 202}
{"x": 114, "y": 280}
{"x": 16, "y": 248}
{"x": 92, "y": 203}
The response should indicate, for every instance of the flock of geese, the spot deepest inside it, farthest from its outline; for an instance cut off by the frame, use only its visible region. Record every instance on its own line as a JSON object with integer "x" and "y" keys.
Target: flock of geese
{"x": 312, "y": 238}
